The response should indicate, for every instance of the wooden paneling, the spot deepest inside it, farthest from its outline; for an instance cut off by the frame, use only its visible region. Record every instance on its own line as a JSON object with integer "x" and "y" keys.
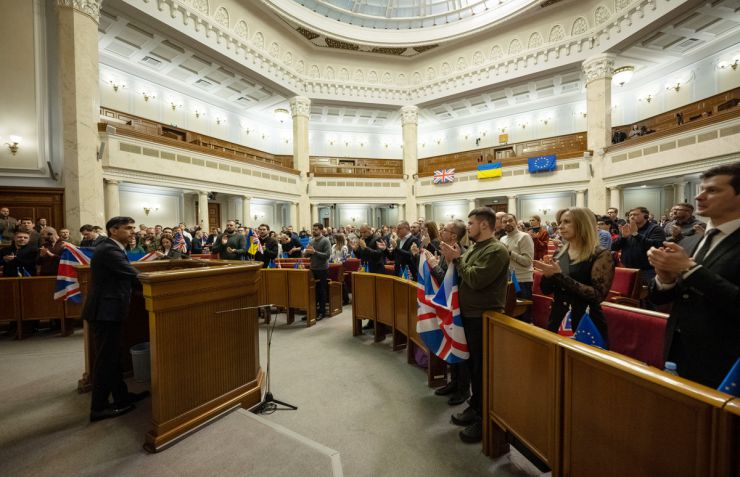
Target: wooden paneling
{"x": 10, "y": 299}
{"x": 133, "y": 126}
{"x": 292, "y": 289}
{"x": 384, "y": 301}
{"x": 363, "y": 296}
{"x": 523, "y": 384}
{"x": 728, "y": 455}
{"x": 361, "y": 167}
{"x": 35, "y": 202}
{"x": 214, "y": 215}
{"x": 623, "y": 418}
{"x": 34, "y": 306}
{"x": 568, "y": 146}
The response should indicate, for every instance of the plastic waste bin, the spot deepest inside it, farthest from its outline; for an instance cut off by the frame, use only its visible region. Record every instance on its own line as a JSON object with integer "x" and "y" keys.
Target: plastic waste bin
{"x": 141, "y": 361}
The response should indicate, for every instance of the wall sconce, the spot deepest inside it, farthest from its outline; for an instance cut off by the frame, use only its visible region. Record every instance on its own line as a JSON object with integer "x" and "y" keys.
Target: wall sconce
{"x": 149, "y": 207}
{"x": 175, "y": 105}
{"x": 198, "y": 113}
{"x": 452, "y": 216}
{"x": 502, "y": 130}
{"x": 147, "y": 96}
{"x": 116, "y": 85}
{"x": 546, "y": 120}
{"x": 723, "y": 65}
{"x": 247, "y": 130}
{"x": 544, "y": 210}
{"x": 353, "y": 219}
{"x": 647, "y": 98}
{"x": 523, "y": 125}
{"x": 258, "y": 217}
{"x": 14, "y": 142}
{"x": 675, "y": 87}
{"x": 623, "y": 75}
{"x": 362, "y": 144}
{"x": 281, "y": 114}
{"x": 219, "y": 120}
{"x": 439, "y": 141}
{"x": 386, "y": 145}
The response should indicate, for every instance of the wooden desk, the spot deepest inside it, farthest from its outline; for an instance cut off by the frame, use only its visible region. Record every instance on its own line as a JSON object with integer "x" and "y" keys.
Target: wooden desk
{"x": 203, "y": 363}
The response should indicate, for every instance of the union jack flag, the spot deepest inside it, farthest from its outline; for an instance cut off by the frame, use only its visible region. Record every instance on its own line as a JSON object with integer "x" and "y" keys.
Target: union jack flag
{"x": 180, "y": 244}
{"x": 439, "y": 323}
{"x": 442, "y": 176}
{"x": 67, "y": 287}
{"x": 566, "y": 326}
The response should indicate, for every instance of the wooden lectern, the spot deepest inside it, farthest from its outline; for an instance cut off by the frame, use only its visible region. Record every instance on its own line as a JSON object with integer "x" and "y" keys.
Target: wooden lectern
{"x": 203, "y": 363}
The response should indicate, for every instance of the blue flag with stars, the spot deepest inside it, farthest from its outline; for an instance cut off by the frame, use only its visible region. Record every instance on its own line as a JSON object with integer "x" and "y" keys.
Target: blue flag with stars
{"x": 731, "y": 381}
{"x": 542, "y": 163}
{"x": 588, "y": 333}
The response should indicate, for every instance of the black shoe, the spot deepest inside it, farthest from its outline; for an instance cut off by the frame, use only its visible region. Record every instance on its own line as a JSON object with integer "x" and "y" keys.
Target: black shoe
{"x": 472, "y": 434}
{"x": 457, "y": 398}
{"x": 319, "y": 317}
{"x": 110, "y": 412}
{"x": 466, "y": 418}
{"x": 369, "y": 326}
{"x": 448, "y": 388}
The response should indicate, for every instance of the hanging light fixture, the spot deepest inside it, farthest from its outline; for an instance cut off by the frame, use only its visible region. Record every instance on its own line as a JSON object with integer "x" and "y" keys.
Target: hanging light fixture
{"x": 282, "y": 115}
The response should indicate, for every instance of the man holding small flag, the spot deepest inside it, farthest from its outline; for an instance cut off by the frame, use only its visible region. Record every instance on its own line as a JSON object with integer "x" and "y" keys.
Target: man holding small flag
{"x": 19, "y": 260}
{"x": 483, "y": 273}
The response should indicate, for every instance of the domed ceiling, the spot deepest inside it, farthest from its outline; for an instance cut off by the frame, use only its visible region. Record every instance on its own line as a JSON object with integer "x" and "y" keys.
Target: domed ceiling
{"x": 398, "y": 23}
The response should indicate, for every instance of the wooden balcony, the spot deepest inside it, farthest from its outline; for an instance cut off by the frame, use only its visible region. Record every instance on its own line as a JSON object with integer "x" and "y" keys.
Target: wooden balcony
{"x": 356, "y": 167}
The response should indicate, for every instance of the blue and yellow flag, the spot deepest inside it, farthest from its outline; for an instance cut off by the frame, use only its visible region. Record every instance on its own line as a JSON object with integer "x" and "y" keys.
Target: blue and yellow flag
{"x": 486, "y": 171}
{"x": 252, "y": 247}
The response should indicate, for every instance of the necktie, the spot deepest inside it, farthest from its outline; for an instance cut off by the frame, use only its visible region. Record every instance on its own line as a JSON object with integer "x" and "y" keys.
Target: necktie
{"x": 699, "y": 256}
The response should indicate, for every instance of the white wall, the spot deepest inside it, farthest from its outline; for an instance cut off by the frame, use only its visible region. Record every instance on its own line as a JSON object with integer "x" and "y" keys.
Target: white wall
{"x": 167, "y": 215}
{"x": 442, "y": 211}
{"x": 650, "y": 197}
{"x": 534, "y": 205}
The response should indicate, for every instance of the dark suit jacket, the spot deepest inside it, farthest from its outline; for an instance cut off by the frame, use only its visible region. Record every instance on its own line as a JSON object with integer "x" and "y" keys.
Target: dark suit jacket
{"x": 269, "y": 251}
{"x": 704, "y": 318}
{"x": 110, "y": 284}
{"x": 374, "y": 258}
{"x": 25, "y": 259}
{"x": 95, "y": 242}
{"x": 402, "y": 257}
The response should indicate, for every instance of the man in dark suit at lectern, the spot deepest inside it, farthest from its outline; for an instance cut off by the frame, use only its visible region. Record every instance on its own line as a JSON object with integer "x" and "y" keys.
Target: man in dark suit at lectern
{"x": 105, "y": 309}
{"x": 703, "y": 331}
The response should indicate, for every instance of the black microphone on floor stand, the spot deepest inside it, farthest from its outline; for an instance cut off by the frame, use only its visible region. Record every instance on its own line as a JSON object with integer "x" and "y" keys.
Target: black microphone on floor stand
{"x": 268, "y": 404}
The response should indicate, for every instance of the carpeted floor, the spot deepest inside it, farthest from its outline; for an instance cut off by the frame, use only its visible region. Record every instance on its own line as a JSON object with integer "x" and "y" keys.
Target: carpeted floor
{"x": 354, "y": 396}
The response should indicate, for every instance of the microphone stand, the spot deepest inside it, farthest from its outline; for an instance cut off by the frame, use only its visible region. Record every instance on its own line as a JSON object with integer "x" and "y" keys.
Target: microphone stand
{"x": 269, "y": 404}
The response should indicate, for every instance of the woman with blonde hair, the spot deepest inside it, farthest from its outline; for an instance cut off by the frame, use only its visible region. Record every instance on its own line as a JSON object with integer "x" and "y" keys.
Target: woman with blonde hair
{"x": 581, "y": 274}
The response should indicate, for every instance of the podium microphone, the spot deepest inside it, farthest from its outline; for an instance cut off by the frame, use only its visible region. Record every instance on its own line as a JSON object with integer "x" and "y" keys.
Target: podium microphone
{"x": 269, "y": 404}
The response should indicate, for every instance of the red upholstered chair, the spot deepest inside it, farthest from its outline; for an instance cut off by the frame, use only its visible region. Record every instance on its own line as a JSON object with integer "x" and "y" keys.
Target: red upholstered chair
{"x": 351, "y": 265}
{"x": 637, "y": 333}
{"x": 536, "y": 278}
{"x": 626, "y": 286}
{"x": 336, "y": 272}
{"x": 389, "y": 269}
{"x": 540, "y": 311}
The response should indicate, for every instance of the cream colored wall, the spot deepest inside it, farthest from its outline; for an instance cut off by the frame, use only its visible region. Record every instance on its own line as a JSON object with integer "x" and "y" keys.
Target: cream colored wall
{"x": 529, "y": 206}
{"x": 167, "y": 215}
{"x": 18, "y": 86}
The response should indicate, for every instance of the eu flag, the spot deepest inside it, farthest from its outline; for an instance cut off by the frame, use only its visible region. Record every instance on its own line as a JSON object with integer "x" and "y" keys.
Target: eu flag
{"x": 730, "y": 383}
{"x": 588, "y": 334}
{"x": 542, "y": 163}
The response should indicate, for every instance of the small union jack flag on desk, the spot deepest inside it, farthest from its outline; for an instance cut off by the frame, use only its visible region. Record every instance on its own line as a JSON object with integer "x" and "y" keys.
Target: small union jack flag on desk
{"x": 442, "y": 176}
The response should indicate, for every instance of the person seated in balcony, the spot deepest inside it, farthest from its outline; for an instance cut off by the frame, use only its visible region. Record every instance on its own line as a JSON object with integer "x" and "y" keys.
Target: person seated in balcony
{"x": 634, "y": 132}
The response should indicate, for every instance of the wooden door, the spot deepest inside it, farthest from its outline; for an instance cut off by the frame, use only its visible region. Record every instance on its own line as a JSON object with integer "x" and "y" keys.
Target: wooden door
{"x": 214, "y": 215}
{"x": 498, "y": 207}
{"x": 35, "y": 202}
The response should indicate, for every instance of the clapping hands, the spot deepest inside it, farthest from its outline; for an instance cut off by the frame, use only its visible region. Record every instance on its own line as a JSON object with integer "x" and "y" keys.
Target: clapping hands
{"x": 547, "y": 266}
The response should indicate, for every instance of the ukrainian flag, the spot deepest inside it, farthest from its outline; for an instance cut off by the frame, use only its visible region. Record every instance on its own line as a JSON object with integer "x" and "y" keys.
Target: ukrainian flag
{"x": 486, "y": 171}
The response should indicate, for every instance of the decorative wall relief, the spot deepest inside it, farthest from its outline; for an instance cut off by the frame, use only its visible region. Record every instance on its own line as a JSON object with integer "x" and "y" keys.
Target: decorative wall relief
{"x": 259, "y": 40}
{"x": 535, "y": 41}
{"x": 601, "y": 14}
{"x": 580, "y": 26}
{"x": 222, "y": 17}
{"x": 557, "y": 33}
{"x": 241, "y": 30}
{"x": 515, "y": 47}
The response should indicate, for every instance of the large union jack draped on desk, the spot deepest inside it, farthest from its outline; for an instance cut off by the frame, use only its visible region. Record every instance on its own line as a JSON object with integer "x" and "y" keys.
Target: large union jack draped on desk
{"x": 439, "y": 322}
{"x": 442, "y": 176}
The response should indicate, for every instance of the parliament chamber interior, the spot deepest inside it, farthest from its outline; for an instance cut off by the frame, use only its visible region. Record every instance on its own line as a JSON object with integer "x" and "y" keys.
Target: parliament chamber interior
{"x": 347, "y": 237}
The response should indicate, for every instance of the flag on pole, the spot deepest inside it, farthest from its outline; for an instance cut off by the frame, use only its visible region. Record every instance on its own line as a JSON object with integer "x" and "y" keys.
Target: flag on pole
{"x": 730, "y": 383}
{"x": 443, "y": 176}
{"x": 588, "y": 333}
{"x": 297, "y": 265}
{"x": 566, "y": 326}
{"x": 439, "y": 322}
{"x": 253, "y": 243}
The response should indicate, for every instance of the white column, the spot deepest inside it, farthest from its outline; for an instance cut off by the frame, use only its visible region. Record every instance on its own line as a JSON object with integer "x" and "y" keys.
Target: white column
{"x": 203, "y": 209}
{"x": 246, "y": 210}
{"x": 409, "y": 123}
{"x": 401, "y": 212}
{"x": 615, "y": 199}
{"x": 581, "y": 199}
{"x": 314, "y": 215}
{"x": 300, "y": 108}
{"x": 421, "y": 210}
{"x": 79, "y": 94}
{"x": 680, "y": 192}
{"x": 471, "y": 206}
{"x": 598, "y": 72}
{"x": 113, "y": 200}
{"x": 373, "y": 215}
{"x": 293, "y": 220}
{"x": 511, "y": 206}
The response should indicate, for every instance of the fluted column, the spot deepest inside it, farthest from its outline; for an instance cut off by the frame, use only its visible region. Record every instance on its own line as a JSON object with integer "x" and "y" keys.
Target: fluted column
{"x": 294, "y": 216}
{"x": 581, "y": 199}
{"x": 421, "y": 210}
{"x": 615, "y": 199}
{"x": 300, "y": 108}
{"x": 246, "y": 210}
{"x": 471, "y": 206}
{"x": 112, "y": 199}
{"x": 598, "y": 72}
{"x": 401, "y": 212}
{"x": 203, "y": 210}
{"x": 680, "y": 195}
{"x": 82, "y": 173}
{"x": 409, "y": 123}
{"x": 511, "y": 206}
{"x": 314, "y": 214}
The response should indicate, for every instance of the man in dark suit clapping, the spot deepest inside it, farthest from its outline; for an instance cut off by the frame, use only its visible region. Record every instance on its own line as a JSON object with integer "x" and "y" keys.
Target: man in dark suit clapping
{"x": 105, "y": 309}
{"x": 400, "y": 250}
{"x": 703, "y": 331}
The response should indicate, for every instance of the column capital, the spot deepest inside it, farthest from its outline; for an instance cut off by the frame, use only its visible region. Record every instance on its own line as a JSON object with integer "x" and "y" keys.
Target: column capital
{"x": 616, "y": 187}
{"x": 91, "y": 8}
{"x": 246, "y": 197}
{"x": 300, "y": 106}
{"x": 512, "y": 196}
{"x": 599, "y": 67}
{"x": 581, "y": 191}
{"x": 111, "y": 181}
{"x": 409, "y": 114}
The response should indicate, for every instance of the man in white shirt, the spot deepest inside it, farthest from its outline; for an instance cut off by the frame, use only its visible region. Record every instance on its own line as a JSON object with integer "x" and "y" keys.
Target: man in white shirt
{"x": 521, "y": 252}
{"x": 703, "y": 331}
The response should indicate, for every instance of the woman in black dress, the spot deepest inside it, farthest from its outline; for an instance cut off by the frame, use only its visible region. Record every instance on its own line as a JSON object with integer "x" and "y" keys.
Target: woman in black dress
{"x": 580, "y": 275}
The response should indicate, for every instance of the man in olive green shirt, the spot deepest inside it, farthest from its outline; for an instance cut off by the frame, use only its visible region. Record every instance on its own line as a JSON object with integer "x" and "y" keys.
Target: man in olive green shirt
{"x": 483, "y": 277}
